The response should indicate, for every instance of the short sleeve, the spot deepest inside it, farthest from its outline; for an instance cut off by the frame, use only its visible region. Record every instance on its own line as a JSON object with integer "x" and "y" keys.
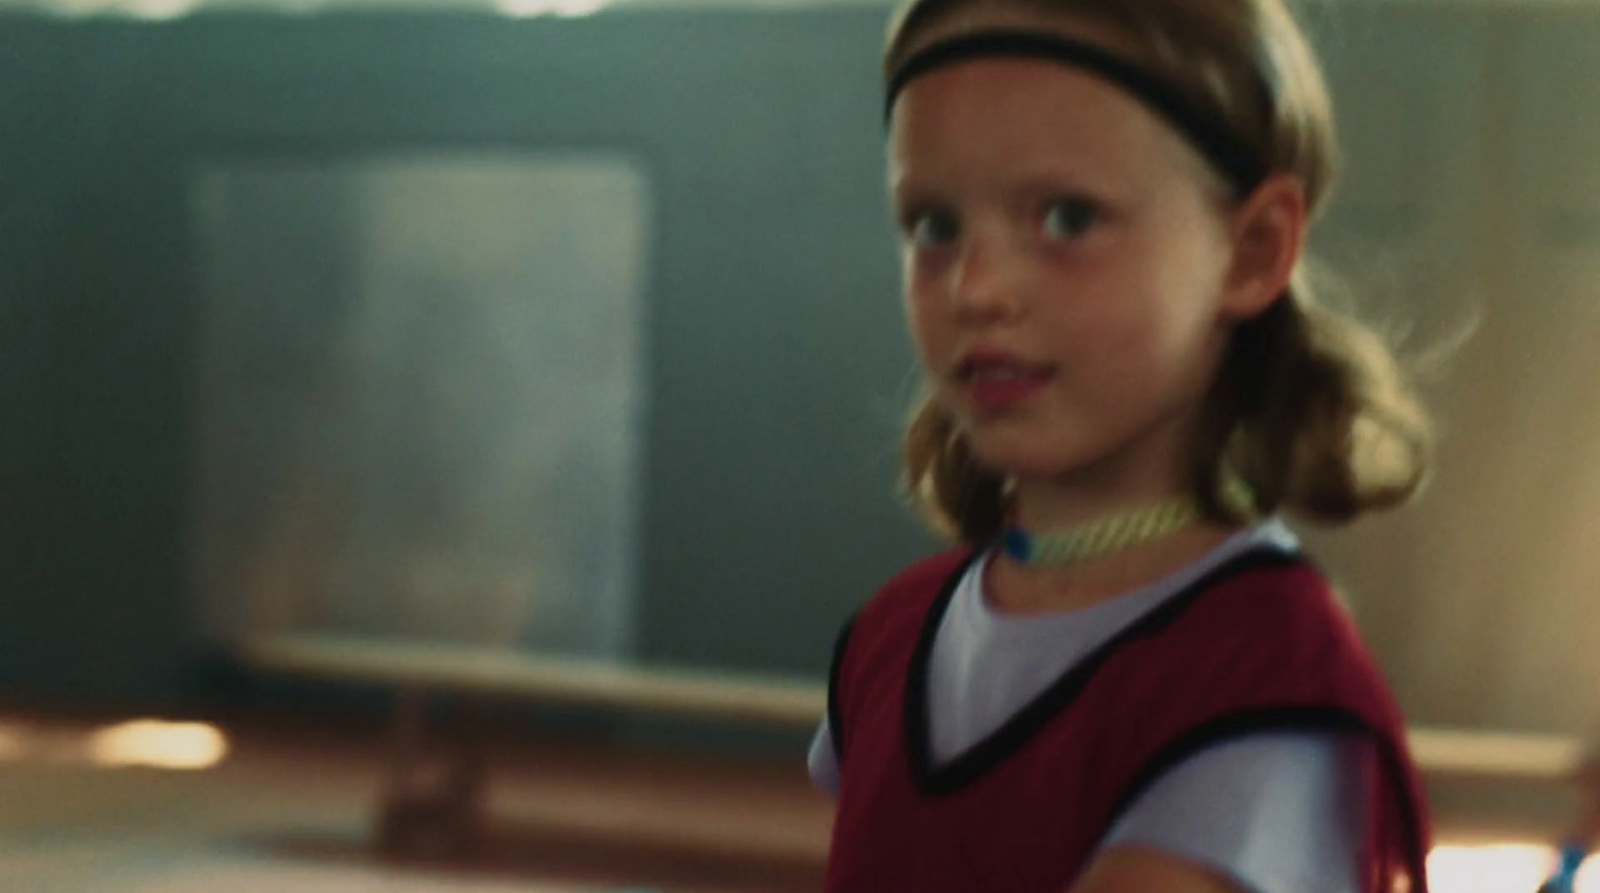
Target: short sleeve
{"x": 822, "y": 762}
{"x": 1279, "y": 812}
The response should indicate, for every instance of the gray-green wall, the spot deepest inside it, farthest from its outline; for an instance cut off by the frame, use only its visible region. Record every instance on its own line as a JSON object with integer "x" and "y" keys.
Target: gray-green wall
{"x": 777, "y": 361}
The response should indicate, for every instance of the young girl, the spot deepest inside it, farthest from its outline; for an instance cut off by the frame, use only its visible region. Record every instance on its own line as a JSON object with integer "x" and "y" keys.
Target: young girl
{"x": 1126, "y": 678}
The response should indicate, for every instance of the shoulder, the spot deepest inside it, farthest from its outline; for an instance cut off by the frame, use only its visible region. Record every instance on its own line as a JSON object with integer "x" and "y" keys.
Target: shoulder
{"x": 1269, "y": 606}
{"x": 893, "y": 619}
{"x": 931, "y": 572}
{"x": 1264, "y": 650}
{"x": 910, "y": 593}
{"x": 1266, "y": 637}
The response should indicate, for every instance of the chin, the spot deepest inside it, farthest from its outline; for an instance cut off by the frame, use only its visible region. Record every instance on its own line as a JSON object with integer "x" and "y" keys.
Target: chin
{"x": 1022, "y": 459}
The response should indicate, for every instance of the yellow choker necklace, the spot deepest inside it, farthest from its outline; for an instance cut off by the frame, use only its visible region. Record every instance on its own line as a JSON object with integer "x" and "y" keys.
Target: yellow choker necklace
{"x": 1124, "y": 530}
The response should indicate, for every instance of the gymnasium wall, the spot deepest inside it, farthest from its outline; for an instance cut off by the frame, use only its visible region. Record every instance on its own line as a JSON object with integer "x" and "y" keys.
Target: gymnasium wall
{"x": 776, "y": 363}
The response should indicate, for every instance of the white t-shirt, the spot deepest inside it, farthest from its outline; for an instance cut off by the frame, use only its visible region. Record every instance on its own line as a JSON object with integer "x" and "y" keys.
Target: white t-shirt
{"x": 1279, "y": 812}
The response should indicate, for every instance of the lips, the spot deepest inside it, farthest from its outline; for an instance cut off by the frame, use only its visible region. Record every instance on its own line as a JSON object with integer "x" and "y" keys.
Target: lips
{"x": 996, "y": 380}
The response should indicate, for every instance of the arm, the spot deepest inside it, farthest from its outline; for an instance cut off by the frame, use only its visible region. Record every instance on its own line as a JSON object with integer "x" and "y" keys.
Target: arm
{"x": 1267, "y": 813}
{"x": 1126, "y": 869}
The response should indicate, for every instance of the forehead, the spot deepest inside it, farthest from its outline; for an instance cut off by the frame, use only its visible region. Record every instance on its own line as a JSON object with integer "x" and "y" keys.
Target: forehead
{"x": 997, "y": 116}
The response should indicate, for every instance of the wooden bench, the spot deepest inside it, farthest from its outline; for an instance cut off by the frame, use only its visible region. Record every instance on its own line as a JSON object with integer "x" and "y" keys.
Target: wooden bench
{"x": 1515, "y": 756}
{"x": 439, "y": 806}
{"x": 433, "y": 802}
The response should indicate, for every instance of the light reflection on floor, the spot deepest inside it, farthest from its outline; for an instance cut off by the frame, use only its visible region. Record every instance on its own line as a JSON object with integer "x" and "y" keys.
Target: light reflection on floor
{"x": 149, "y": 743}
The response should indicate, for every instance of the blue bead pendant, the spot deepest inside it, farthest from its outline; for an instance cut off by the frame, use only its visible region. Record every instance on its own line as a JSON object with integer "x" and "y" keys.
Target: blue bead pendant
{"x": 1018, "y": 544}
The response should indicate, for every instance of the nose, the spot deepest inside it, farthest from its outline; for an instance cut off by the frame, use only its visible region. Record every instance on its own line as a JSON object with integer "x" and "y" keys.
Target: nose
{"x": 982, "y": 284}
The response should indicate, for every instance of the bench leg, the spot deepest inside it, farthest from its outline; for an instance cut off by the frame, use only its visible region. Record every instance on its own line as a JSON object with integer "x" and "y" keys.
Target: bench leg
{"x": 433, "y": 805}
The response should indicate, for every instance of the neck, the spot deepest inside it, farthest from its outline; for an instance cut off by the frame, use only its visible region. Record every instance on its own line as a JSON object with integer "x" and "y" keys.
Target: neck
{"x": 1127, "y": 481}
{"x": 1015, "y": 588}
{"x": 1043, "y": 504}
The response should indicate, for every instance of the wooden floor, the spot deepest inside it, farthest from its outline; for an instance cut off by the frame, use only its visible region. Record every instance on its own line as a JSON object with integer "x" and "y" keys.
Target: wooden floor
{"x": 291, "y": 809}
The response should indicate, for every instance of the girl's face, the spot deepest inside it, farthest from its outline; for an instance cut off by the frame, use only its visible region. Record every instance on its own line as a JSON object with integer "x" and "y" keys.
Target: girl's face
{"x": 1064, "y": 256}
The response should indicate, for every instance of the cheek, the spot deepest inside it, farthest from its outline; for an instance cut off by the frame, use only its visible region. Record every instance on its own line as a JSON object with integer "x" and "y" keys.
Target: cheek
{"x": 1172, "y": 295}
{"x": 1145, "y": 337}
{"x": 1114, "y": 319}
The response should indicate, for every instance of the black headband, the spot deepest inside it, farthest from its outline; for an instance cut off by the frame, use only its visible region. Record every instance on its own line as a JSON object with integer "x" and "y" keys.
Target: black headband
{"x": 1214, "y": 140}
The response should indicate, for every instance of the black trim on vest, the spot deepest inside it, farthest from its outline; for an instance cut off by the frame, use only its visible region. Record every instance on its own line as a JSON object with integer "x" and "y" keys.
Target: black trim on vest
{"x": 835, "y": 706}
{"x": 1313, "y": 718}
{"x": 939, "y": 779}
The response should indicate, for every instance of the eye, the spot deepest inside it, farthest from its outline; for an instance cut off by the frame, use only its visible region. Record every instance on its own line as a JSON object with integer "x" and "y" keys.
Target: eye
{"x": 932, "y": 228}
{"x": 1070, "y": 218}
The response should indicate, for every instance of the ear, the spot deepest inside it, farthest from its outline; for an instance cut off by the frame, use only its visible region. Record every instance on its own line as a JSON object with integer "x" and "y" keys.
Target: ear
{"x": 1268, "y": 235}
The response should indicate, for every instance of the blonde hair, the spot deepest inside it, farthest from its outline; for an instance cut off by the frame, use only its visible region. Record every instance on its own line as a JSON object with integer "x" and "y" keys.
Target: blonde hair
{"x": 1309, "y": 406}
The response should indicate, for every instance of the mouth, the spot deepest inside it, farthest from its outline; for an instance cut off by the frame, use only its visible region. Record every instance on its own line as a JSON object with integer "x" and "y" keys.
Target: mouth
{"x": 995, "y": 380}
